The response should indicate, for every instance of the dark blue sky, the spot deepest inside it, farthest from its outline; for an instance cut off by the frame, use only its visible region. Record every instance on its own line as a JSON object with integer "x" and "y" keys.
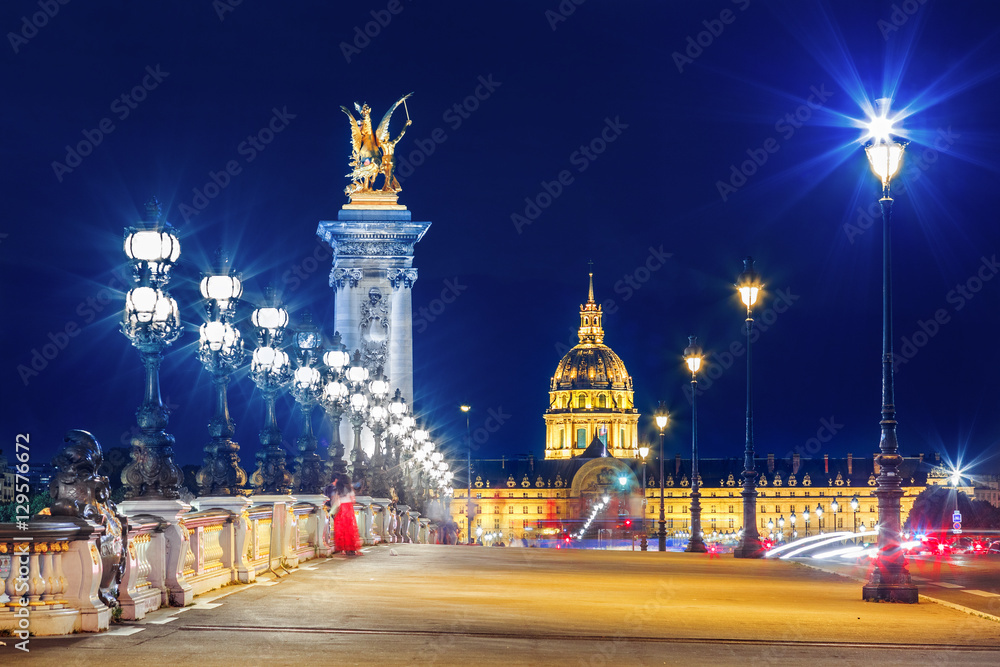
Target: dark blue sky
{"x": 675, "y": 96}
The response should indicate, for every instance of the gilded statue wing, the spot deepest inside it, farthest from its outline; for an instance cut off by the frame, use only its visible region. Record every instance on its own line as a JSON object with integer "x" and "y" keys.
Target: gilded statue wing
{"x": 355, "y": 131}
{"x": 382, "y": 133}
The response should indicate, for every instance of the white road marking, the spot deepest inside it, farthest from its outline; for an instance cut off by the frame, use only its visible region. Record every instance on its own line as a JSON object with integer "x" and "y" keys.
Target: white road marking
{"x": 123, "y": 631}
{"x": 916, "y": 578}
{"x": 985, "y": 594}
{"x": 945, "y": 584}
{"x": 164, "y": 621}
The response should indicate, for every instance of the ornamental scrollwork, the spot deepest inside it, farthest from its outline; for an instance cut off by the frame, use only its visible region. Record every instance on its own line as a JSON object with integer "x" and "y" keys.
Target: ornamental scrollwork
{"x": 341, "y": 278}
{"x": 401, "y": 278}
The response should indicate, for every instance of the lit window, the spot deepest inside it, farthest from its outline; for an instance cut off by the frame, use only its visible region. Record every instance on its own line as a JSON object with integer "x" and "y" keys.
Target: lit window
{"x": 539, "y": 511}
{"x": 524, "y": 510}
{"x": 730, "y": 510}
{"x": 510, "y": 510}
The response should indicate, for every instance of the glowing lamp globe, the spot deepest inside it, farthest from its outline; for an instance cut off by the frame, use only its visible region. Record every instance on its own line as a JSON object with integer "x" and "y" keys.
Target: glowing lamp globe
{"x": 335, "y": 391}
{"x": 643, "y": 451}
{"x": 221, "y": 288}
{"x": 153, "y": 246}
{"x": 693, "y": 355}
{"x": 307, "y": 376}
{"x": 218, "y": 335}
{"x": 748, "y": 283}
{"x": 269, "y": 318}
{"x": 336, "y": 359}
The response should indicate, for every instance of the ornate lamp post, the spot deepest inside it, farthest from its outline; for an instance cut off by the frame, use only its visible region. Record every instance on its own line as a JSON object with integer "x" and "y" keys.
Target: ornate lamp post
{"x": 468, "y": 471}
{"x": 307, "y": 386}
{"x": 819, "y": 517}
{"x": 791, "y": 519}
{"x": 781, "y": 528}
{"x": 357, "y": 376}
{"x": 834, "y": 507}
{"x": 152, "y": 322}
{"x": 270, "y": 370}
{"x": 749, "y": 287}
{"x": 220, "y": 350}
{"x": 643, "y": 453}
{"x": 378, "y": 421}
{"x": 662, "y": 417}
{"x": 335, "y": 393}
{"x": 805, "y": 517}
{"x": 890, "y": 579}
{"x": 770, "y": 529}
{"x": 693, "y": 357}
{"x": 854, "y": 508}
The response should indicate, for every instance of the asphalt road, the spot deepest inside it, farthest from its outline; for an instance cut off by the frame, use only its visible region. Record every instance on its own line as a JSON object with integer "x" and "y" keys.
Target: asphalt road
{"x": 971, "y": 582}
{"x": 440, "y": 605}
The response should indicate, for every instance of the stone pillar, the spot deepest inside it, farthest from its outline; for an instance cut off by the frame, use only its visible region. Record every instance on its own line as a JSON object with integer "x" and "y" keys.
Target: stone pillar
{"x": 234, "y": 538}
{"x": 372, "y": 275}
{"x": 176, "y": 590}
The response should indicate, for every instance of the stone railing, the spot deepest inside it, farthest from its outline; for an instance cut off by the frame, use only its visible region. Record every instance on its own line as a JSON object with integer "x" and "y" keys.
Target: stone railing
{"x": 55, "y": 567}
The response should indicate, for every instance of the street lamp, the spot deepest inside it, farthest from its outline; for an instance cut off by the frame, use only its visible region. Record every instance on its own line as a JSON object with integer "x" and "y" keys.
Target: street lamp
{"x": 749, "y": 287}
{"x": 643, "y": 453}
{"x": 468, "y": 469}
{"x": 889, "y": 580}
{"x": 357, "y": 376}
{"x": 819, "y": 517}
{"x": 662, "y": 417}
{"x": 307, "y": 388}
{"x": 152, "y": 322}
{"x": 805, "y": 517}
{"x": 220, "y": 350}
{"x": 271, "y": 370}
{"x": 834, "y": 507}
{"x": 770, "y": 529}
{"x": 781, "y": 528}
{"x": 693, "y": 358}
{"x": 854, "y": 508}
{"x": 791, "y": 519}
{"x": 335, "y": 393}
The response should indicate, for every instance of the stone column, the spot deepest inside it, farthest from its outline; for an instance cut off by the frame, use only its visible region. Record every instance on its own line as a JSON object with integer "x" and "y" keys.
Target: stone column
{"x": 372, "y": 275}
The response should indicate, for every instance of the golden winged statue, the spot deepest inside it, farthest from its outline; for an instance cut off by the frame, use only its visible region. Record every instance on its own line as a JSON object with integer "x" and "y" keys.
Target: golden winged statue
{"x": 372, "y": 151}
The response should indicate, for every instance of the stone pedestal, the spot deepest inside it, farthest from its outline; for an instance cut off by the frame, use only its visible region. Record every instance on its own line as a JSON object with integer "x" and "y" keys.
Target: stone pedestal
{"x": 234, "y": 541}
{"x": 382, "y": 519}
{"x": 282, "y": 537}
{"x": 169, "y": 559}
{"x": 363, "y": 513}
{"x": 402, "y": 523}
{"x": 372, "y": 277}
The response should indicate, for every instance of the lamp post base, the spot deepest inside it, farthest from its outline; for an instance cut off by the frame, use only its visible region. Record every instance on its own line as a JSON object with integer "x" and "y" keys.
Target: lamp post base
{"x": 695, "y": 546}
{"x": 904, "y": 593}
{"x": 643, "y": 545}
{"x": 662, "y": 536}
{"x": 749, "y": 549}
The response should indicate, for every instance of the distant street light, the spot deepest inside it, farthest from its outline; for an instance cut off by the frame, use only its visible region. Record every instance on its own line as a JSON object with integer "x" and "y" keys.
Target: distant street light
{"x": 662, "y": 417}
{"x": 468, "y": 470}
{"x": 643, "y": 453}
{"x": 805, "y": 518}
{"x": 819, "y": 517}
{"x": 749, "y": 287}
{"x": 693, "y": 359}
{"x": 889, "y": 580}
{"x": 834, "y": 507}
{"x": 854, "y": 508}
{"x": 270, "y": 370}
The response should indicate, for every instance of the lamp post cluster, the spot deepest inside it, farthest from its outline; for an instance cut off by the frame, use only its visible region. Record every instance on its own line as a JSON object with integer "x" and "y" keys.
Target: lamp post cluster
{"x": 315, "y": 373}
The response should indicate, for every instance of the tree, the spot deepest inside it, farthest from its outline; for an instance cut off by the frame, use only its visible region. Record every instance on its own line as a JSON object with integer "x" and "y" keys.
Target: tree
{"x": 933, "y": 508}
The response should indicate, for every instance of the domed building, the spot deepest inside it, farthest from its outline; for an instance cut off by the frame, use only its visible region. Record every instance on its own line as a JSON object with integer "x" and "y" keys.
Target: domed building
{"x": 590, "y": 396}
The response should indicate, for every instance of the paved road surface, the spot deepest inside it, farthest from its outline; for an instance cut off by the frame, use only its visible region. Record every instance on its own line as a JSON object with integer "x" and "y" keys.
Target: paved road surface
{"x": 439, "y": 605}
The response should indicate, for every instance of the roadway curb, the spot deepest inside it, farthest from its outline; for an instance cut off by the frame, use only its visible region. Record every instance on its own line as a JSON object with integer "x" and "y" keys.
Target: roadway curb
{"x": 921, "y": 596}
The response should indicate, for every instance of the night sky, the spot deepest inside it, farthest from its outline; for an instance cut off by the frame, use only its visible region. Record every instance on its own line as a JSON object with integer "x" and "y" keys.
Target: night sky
{"x": 664, "y": 141}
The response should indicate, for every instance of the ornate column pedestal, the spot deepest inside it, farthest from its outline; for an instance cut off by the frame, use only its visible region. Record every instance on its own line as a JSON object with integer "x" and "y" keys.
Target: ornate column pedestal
{"x": 233, "y": 541}
{"x": 176, "y": 591}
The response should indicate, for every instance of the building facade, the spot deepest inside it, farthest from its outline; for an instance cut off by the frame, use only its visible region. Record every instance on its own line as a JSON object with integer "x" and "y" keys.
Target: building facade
{"x": 534, "y": 498}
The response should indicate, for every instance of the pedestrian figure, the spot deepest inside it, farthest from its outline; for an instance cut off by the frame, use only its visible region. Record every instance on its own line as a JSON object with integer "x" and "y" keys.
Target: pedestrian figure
{"x": 345, "y": 526}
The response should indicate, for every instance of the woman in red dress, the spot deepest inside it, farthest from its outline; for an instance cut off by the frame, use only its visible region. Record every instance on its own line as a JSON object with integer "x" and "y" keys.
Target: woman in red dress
{"x": 345, "y": 527}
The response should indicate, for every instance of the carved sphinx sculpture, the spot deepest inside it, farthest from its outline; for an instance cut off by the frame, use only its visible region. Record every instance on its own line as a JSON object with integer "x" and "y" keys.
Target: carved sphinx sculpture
{"x": 79, "y": 490}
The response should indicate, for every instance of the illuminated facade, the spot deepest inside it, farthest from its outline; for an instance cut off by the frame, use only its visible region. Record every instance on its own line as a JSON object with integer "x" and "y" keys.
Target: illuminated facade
{"x": 590, "y": 395}
{"x": 531, "y": 498}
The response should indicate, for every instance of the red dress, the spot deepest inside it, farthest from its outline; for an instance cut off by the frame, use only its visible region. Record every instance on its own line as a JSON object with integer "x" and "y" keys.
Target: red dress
{"x": 345, "y": 526}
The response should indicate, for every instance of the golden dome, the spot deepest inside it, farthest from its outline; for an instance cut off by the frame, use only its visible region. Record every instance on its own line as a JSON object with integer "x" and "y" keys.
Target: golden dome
{"x": 591, "y": 366}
